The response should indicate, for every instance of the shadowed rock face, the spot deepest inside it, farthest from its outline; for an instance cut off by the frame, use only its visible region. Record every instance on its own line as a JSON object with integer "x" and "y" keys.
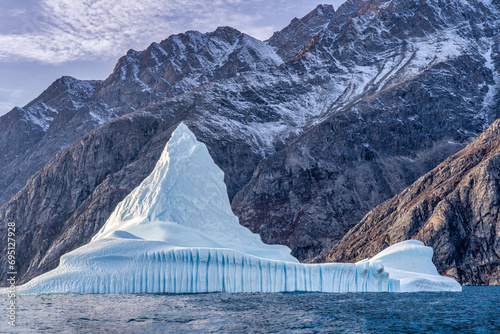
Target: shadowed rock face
{"x": 454, "y": 209}
{"x": 308, "y": 143}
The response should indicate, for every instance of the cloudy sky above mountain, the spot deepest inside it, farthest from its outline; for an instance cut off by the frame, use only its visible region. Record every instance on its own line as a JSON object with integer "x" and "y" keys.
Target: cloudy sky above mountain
{"x": 41, "y": 40}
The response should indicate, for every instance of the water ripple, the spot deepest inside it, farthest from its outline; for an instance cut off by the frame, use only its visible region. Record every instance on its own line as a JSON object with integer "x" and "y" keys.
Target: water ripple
{"x": 475, "y": 310}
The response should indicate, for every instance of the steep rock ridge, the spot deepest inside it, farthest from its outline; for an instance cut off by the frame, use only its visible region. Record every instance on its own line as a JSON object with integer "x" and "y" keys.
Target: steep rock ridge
{"x": 454, "y": 209}
{"x": 179, "y": 64}
{"x": 23, "y": 128}
{"x": 307, "y": 148}
{"x": 411, "y": 105}
{"x": 293, "y": 37}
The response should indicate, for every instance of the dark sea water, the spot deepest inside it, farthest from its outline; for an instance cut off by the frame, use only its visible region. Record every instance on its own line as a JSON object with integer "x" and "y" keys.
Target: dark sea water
{"x": 475, "y": 310}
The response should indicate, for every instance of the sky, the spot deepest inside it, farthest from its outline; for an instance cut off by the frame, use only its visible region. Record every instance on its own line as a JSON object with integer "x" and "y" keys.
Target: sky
{"x": 42, "y": 40}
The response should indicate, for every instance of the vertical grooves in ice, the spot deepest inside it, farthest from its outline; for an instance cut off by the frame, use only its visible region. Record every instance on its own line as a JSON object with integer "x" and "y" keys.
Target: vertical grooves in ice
{"x": 195, "y": 270}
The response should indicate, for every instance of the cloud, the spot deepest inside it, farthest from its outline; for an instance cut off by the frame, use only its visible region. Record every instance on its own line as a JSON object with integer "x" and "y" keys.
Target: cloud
{"x": 8, "y": 98}
{"x": 13, "y": 93}
{"x": 17, "y": 12}
{"x": 59, "y": 31}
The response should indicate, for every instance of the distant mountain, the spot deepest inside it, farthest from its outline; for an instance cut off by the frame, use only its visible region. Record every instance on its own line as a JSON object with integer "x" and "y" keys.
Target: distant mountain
{"x": 333, "y": 115}
{"x": 454, "y": 209}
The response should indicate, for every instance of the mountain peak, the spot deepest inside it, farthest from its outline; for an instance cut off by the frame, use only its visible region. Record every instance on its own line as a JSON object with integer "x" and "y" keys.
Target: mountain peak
{"x": 227, "y": 33}
{"x": 226, "y": 29}
{"x": 289, "y": 40}
{"x": 320, "y": 10}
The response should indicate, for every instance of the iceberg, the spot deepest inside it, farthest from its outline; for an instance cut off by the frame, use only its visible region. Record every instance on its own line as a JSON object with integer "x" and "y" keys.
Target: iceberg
{"x": 410, "y": 262}
{"x": 176, "y": 233}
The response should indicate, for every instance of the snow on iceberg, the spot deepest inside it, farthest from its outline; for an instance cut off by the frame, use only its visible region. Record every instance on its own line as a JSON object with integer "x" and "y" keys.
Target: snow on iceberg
{"x": 176, "y": 233}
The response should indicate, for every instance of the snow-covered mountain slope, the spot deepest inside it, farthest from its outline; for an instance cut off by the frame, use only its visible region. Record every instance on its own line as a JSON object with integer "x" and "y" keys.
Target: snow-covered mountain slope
{"x": 176, "y": 65}
{"x": 180, "y": 64}
{"x": 377, "y": 97}
{"x": 176, "y": 233}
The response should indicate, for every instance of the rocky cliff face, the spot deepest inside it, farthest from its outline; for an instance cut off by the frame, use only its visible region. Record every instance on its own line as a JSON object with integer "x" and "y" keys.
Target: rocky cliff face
{"x": 24, "y": 131}
{"x": 179, "y": 64}
{"x": 300, "y": 31}
{"x": 398, "y": 118}
{"x": 377, "y": 94}
{"x": 454, "y": 209}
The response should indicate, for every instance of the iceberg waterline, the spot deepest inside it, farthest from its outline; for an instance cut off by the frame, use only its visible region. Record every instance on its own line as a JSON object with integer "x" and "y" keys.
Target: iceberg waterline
{"x": 117, "y": 265}
{"x": 176, "y": 233}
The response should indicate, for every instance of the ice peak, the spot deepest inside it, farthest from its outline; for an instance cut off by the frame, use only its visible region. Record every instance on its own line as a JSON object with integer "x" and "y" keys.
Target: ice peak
{"x": 182, "y": 142}
{"x": 184, "y": 202}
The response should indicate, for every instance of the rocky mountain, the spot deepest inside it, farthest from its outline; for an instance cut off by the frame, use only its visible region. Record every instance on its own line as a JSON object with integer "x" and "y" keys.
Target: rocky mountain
{"x": 404, "y": 101}
{"x": 311, "y": 134}
{"x": 179, "y": 64}
{"x": 25, "y": 131}
{"x": 69, "y": 108}
{"x": 300, "y": 31}
{"x": 454, "y": 209}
